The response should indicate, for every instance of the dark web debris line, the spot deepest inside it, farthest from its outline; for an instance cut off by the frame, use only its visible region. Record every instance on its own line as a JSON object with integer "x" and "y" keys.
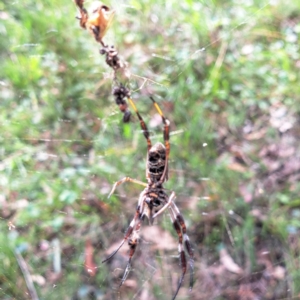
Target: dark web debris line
{"x": 97, "y": 21}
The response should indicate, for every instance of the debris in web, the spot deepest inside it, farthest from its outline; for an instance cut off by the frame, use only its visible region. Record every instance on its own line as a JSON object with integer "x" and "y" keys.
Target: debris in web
{"x": 97, "y": 21}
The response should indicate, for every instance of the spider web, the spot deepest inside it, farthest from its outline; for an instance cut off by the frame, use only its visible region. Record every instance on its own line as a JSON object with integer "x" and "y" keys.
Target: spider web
{"x": 62, "y": 149}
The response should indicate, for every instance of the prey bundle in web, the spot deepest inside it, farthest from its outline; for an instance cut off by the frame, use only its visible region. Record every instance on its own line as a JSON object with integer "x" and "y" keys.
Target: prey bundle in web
{"x": 97, "y": 20}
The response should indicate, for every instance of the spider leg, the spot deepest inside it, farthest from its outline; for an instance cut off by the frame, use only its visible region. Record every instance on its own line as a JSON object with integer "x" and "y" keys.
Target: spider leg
{"x": 132, "y": 243}
{"x": 143, "y": 124}
{"x": 125, "y": 179}
{"x": 180, "y": 228}
{"x": 166, "y": 139}
{"x": 180, "y": 220}
{"x": 171, "y": 198}
{"x": 128, "y": 268}
{"x": 180, "y": 249}
{"x": 127, "y": 234}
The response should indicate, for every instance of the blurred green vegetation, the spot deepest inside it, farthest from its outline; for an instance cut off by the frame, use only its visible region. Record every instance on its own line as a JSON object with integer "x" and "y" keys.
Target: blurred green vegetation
{"x": 225, "y": 73}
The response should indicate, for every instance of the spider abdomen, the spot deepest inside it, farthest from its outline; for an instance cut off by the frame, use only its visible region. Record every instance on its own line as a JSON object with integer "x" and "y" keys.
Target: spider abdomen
{"x": 156, "y": 162}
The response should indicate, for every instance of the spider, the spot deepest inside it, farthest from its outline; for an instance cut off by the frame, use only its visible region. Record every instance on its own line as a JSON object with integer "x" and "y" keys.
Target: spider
{"x": 153, "y": 200}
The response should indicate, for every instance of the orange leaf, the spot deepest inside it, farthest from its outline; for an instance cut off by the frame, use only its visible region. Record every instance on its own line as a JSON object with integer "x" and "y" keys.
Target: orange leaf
{"x": 89, "y": 264}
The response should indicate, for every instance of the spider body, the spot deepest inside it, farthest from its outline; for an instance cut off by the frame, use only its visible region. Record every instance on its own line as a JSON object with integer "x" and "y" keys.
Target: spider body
{"x": 154, "y": 200}
{"x": 156, "y": 163}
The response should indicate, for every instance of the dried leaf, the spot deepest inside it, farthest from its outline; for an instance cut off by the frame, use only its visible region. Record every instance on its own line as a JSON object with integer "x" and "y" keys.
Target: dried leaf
{"x": 227, "y": 261}
{"x": 279, "y": 272}
{"x": 89, "y": 264}
{"x": 39, "y": 279}
{"x": 256, "y": 135}
{"x": 234, "y": 166}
